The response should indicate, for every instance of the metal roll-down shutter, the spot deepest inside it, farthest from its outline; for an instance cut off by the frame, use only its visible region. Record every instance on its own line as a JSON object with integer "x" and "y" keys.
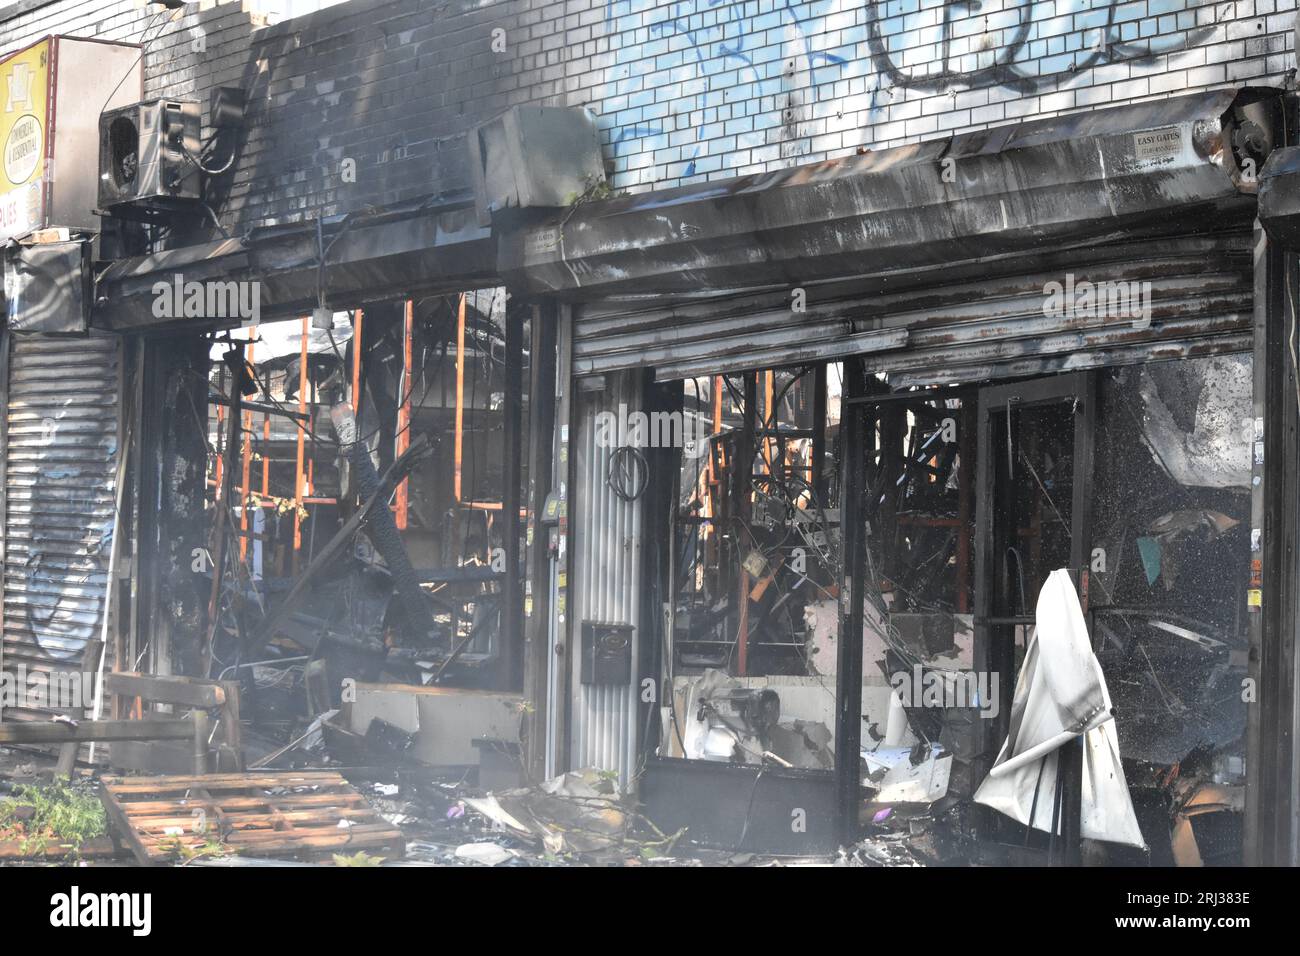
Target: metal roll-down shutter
{"x": 60, "y": 470}
{"x": 972, "y": 321}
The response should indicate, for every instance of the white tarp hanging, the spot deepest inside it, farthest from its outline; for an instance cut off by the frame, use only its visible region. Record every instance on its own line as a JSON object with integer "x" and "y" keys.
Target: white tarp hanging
{"x": 1061, "y": 694}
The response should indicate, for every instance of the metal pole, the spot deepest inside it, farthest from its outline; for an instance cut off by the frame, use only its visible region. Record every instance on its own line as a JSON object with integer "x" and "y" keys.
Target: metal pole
{"x": 201, "y": 731}
{"x": 537, "y": 594}
{"x": 246, "y": 465}
{"x": 512, "y": 603}
{"x": 848, "y": 690}
{"x": 359, "y": 315}
{"x": 404, "y": 410}
{"x": 460, "y": 395}
{"x": 1070, "y": 785}
{"x": 225, "y": 491}
{"x": 111, "y": 585}
{"x": 742, "y": 488}
{"x": 298, "y": 490}
{"x": 817, "y": 479}
{"x": 769, "y": 422}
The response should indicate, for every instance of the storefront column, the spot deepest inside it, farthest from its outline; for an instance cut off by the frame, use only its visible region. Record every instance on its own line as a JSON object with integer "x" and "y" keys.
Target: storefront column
{"x": 848, "y": 690}
{"x": 1271, "y": 765}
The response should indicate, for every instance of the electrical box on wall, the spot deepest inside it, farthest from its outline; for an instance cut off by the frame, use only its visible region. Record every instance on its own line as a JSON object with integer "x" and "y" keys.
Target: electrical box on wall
{"x": 534, "y": 157}
{"x": 54, "y": 91}
{"x": 606, "y": 653}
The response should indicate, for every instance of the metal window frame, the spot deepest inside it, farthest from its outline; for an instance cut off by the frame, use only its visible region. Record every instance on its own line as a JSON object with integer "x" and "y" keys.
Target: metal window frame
{"x": 999, "y": 656}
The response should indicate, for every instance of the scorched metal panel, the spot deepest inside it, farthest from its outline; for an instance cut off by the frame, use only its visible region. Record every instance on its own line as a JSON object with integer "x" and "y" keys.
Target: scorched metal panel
{"x": 60, "y": 453}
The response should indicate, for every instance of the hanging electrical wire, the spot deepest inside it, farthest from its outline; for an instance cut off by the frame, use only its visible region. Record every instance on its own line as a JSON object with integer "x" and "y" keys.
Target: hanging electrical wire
{"x": 628, "y": 472}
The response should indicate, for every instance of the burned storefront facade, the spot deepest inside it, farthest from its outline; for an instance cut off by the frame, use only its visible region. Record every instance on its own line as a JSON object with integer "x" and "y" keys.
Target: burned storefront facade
{"x": 742, "y": 497}
{"x": 879, "y": 405}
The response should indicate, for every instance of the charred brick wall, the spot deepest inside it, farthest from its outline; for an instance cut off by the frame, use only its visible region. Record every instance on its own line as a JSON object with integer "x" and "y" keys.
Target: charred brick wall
{"x": 360, "y": 105}
{"x": 686, "y": 90}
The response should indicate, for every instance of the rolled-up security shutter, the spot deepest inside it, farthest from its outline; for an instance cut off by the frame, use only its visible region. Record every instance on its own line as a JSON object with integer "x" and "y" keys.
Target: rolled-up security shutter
{"x": 970, "y": 322}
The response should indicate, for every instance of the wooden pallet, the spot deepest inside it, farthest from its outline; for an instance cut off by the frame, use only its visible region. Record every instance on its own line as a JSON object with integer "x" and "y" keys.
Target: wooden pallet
{"x": 270, "y": 813}
{"x": 100, "y": 848}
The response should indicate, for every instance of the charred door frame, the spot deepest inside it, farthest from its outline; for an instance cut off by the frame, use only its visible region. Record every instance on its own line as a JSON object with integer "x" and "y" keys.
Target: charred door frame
{"x": 854, "y": 485}
{"x": 767, "y": 808}
{"x": 999, "y": 656}
{"x": 1271, "y": 832}
{"x": 541, "y": 480}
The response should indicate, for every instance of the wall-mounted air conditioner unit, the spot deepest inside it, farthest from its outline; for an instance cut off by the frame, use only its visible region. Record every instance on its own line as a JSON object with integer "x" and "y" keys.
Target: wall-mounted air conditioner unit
{"x": 535, "y": 157}
{"x": 149, "y": 154}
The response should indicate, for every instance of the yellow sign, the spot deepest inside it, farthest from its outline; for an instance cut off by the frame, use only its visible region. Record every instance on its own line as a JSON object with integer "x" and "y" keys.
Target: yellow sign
{"x": 24, "y": 139}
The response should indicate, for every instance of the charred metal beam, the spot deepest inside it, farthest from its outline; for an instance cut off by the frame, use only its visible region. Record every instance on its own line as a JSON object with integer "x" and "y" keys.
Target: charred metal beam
{"x": 262, "y": 408}
{"x": 1075, "y": 178}
{"x": 541, "y": 437}
{"x": 401, "y": 252}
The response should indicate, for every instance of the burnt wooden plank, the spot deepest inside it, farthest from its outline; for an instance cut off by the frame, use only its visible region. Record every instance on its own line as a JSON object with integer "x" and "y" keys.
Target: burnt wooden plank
{"x": 226, "y": 781}
{"x": 286, "y": 801}
{"x": 329, "y": 816}
{"x": 96, "y": 731}
{"x": 184, "y": 691}
{"x": 100, "y": 848}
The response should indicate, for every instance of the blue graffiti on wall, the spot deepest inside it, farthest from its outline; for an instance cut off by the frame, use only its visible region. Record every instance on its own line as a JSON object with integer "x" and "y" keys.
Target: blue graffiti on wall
{"x": 958, "y": 44}
{"x": 1001, "y": 67}
{"x": 717, "y": 47}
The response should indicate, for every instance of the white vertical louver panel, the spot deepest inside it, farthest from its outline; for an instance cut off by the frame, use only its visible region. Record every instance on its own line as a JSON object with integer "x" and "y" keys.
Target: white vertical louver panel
{"x": 607, "y": 533}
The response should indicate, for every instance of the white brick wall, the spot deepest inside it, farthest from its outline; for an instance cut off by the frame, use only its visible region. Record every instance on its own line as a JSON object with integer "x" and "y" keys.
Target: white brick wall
{"x": 694, "y": 90}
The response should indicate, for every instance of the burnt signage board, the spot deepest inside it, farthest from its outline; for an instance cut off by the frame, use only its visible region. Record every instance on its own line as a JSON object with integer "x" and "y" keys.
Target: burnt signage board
{"x": 53, "y": 92}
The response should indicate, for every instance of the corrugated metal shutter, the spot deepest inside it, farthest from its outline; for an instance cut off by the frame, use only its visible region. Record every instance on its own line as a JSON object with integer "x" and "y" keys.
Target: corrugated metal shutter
{"x": 969, "y": 322}
{"x": 607, "y": 566}
{"x": 61, "y": 447}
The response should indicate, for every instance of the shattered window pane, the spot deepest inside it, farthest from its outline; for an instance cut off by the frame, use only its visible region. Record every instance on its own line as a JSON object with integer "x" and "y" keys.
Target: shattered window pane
{"x": 920, "y": 697}
{"x": 752, "y": 651}
{"x": 1193, "y": 417}
{"x": 1171, "y": 559}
